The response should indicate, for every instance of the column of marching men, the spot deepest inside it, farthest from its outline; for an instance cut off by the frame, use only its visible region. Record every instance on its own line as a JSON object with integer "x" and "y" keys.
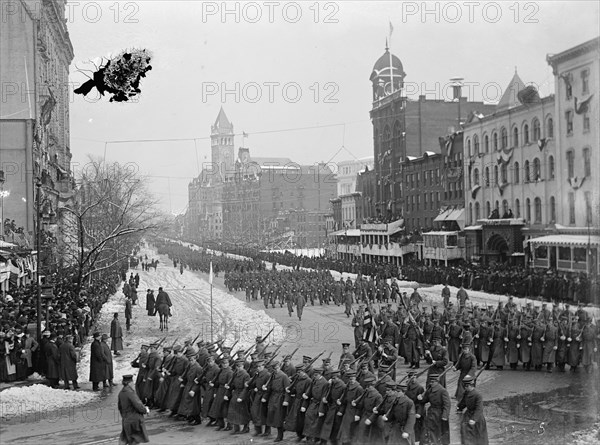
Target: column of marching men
{"x": 349, "y": 403}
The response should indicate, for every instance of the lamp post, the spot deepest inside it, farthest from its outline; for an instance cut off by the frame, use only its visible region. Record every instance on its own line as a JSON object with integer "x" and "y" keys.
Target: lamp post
{"x": 38, "y": 186}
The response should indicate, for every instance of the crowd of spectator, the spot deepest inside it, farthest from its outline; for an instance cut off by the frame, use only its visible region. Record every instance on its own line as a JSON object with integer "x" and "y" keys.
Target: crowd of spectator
{"x": 68, "y": 312}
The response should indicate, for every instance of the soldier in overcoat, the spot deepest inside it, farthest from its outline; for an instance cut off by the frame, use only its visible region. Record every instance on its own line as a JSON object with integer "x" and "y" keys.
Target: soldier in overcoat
{"x": 52, "y": 361}
{"x": 132, "y": 412}
{"x": 97, "y": 362}
{"x": 68, "y": 362}
{"x": 279, "y": 381}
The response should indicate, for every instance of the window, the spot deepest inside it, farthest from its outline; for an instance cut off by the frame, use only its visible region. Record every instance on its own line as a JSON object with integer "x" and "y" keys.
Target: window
{"x": 515, "y": 137}
{"x": 504, "y": 173}
{"x": 564, "y": 253}
{"x": 488, "y": 209}
{"x": 517, "y": 173}
{"x": 469, "y": 147}
{"x": 486, "y": 143}
{"x": 537, "y": 170}
{"x": 585, "y": 81}
{"x": 552, "y": 209}
{"x": 551, "y": 167}
{"x": 477, "y": 213}
{"x": 586, "y": 122}
{"x": 588, "y": 208}
{"x": 587, "y": 162}
{"x": 517, "y": 208}
{"x": 476, "y": 176}
{"x": 569, "y": 120}
{"x": 504, "y": 207}
{"x": 527, "y": 175}
{"x": 525, "y": 134}
{"x": 476, "y": 144}
{"x": 528, "y": 210}
{"x": 495, "y": 141}
{"x": 496, "y": 177}
{"x": 487, "y": 176}
{"x": 537, "y": 134}
{"x": 538, "y": 210}
{"x": 550, "y": 128}
{"x": 570, "y": 164}
{"x": 571, "y": 208}
{"x": 568, "y": 88}
{"x": 503, "y": 138}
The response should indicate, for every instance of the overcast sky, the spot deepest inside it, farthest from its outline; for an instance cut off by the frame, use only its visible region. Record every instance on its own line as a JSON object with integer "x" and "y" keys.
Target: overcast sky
{"x": 295, "y": 65}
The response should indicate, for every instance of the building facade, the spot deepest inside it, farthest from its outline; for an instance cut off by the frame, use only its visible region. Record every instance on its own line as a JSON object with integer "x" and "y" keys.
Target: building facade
{"x": 35, "y": 54}
{"x": 347, "y": 172}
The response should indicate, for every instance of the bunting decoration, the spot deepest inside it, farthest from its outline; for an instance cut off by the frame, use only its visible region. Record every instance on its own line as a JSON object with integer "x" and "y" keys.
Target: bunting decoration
{"x": 584, "y": 106}
{"x": 576, "y": 182}
{"x": 542, "y": 143}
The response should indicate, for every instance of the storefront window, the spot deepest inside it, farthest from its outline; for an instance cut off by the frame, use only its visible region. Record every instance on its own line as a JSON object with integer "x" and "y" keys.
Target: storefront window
{"x": 579, "y": 255}
{"x": 564, "y": 253}
{"x": 541, "y": 252}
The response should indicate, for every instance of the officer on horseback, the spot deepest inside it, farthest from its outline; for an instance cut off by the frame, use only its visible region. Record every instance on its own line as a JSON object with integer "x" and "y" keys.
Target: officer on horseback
{"x": 163, "y": 306}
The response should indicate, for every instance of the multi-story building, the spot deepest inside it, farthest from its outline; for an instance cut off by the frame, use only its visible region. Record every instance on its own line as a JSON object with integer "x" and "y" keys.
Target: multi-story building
{"x": 366, "y": 185}
{"x": 510, "y": 163}
{"x": 574, "y": 206}
{"x": 451, "y": 211}
{"x": 403, "y": 127}
{"x": 35, "y": 55}
{"x": 347, "y": 172}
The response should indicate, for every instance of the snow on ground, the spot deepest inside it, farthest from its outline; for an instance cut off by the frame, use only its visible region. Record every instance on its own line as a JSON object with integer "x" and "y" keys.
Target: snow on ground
{"x": 39, "y": 400}
{"x": 590, "y": 436}
{"x": 304, "y": 252}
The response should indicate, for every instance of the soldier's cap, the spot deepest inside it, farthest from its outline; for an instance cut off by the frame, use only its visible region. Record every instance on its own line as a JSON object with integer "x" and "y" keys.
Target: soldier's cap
{"x": 274, "y": 363}
{"x": 177, "y": 348}
{"x": 326, "y": 360}
{"x": 468, "y": 380}
{"x": 332, "y": 373}
{"x": 104, "y": 336}
{"x": 433, "y": 376}
{"x": 318, "y": 371}
{"x": 127, "y": 378}
{"x": 436, "y": 337}
{"x": 306, "y": 358}
{"x": 390, "y": 384}
{"x": 240, "y": 362}
{"x": 410, "y": 373}
{"x": 345, "y": 345}
{"x": 401, "y": 386}
{"x": 387, "y": 340}
{"x": 97, "y": 334}
{"x": 466, "y": 344}
{"x": 369, "y": 379}
{"x": 383, "y": 368}
{"x": 300, "y": 367}
{"x": 258, "y": 338}
{"x": 190, "y": 352}
{"x": 66, "y": 336}
{"x": 151, "y": 345}
{"x": 350, "y": 373}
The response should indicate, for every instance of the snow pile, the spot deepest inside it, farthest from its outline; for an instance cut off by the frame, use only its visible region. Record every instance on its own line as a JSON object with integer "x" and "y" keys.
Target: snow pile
{"x": 39, "y": 400}
{"x": 587, "y": 437}
{"x": 302, "y": 252}
{"x": 36, "y": 376}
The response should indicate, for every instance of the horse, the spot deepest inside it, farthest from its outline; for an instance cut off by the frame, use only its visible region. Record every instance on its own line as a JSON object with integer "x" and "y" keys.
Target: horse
{"x": 153, "y": 264}
{"x": 164, "y": 313}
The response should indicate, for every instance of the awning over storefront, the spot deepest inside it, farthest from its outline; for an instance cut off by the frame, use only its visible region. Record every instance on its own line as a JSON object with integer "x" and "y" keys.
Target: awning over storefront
{"x": 348, "y": 232}
{"x": 566, "y": 240}
{"x": 457, "y": 215}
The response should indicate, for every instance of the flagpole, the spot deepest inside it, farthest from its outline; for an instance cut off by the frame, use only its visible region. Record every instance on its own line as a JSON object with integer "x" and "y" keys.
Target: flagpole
{"x": 211, "y": 314}
{"x": 390, "y": 52}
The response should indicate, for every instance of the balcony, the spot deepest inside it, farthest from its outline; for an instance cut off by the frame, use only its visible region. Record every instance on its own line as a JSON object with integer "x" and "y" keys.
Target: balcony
{"x": 382, "y": 228}
{"x": 354, "y": 249}
{"x": 389, "y": 249}
{"x": 443, "y": 253}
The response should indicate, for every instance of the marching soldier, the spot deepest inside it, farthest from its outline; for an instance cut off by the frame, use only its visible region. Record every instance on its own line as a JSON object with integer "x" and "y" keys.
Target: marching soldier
{"x": 278, "y": 382}
{"x": 238, "y": 413}
{"x": 473, "y": 428}
{"x": 258, "y": 410}
{"x": 467, "y": 365}
{"x": 402, "y": 418}
{"x": 436, "y": 430}
{"x": 294, "y": 420}
{"x": 346, "y": 354}
{"x": 313, "y": 396}
{"x": 437, "y": 356}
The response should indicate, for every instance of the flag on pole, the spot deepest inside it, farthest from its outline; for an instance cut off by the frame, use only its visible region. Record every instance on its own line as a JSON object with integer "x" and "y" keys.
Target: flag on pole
{"x": 391, "y": 29}
{"x": 210, "y": 274}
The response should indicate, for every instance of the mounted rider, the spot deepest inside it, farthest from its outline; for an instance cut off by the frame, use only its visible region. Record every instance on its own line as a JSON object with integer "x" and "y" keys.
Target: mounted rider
{"x": 163, "y": 298}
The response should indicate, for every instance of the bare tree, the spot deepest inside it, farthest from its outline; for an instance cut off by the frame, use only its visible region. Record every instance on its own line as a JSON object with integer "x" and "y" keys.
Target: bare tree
{"x": 111, "y": 212}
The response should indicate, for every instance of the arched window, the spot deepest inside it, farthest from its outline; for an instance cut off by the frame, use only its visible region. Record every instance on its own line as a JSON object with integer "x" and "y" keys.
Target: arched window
{"x": 551, "y": 167}
{"x": 528, "y": 210}
{"x": 504, "y": 208}
{"x": 537, "y": 170}
{"x": 488, "y": 209}
{"x": 517, "y": 208}
{"x": 527, "y": 173}
{"x": 550, "y": 127}
{"x": 496, "y": 178}
{"x": 495, "y": 141}
{"x": 477, "y": 212}
{"x": 476, "y": 144}
{"x": 552, "y": 209}
{"x": 497, "y": 206}
{"x": 538, "y": 210}
{"x": 517, "y": 173}
{"x": 526, "y": 134}
{"x": 469, "y": 148}
{"x": 504, "y": 173}
{"x": 487, "y": 177}
{"x": 503, "y": 138}
{"x": 486, "y": 143}
{"x": 476, "y": 176}
{"x": 515, "y": 137}
{"x": 536, "y": 129}
{"x": 471, "y": 213}
{"x": 397, "y": 135}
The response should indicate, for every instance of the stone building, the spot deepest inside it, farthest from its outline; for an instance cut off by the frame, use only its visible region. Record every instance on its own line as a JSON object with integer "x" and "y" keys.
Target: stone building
{"x": 347, "y": 172}
{"x": 35, "y": 55}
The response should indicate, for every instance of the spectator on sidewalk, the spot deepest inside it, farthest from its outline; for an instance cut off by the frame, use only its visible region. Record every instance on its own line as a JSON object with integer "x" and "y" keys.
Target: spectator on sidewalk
{"x": 116, "y": 335}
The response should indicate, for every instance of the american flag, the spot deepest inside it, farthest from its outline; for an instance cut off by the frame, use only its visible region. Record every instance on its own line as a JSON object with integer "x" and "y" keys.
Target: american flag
{"x": 370, "y": 333}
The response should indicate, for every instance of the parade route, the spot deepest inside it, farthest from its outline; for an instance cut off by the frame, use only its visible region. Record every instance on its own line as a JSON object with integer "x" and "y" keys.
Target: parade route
{"x": 323, "y": 328}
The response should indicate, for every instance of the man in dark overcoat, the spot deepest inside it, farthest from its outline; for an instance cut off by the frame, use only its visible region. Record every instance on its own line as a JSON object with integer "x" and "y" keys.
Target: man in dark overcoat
{"x": 68, "y": 362}
{"x": 150, "y": 303}
{"x": 108, "y": 363}
{"x": 52, "y": 361}
{"x": 116, "y": 335}
{"x": 97, "y": 363}
{"x": 132, "y": 412}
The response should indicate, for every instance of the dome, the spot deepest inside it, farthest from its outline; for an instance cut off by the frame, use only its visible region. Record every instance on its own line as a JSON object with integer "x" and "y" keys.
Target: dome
{"x": 382, "y": 66}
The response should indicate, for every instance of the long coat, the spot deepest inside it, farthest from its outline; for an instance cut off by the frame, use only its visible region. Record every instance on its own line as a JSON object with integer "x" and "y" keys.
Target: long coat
{"x": 476, "y": 434}
{"x": 348, "y": 426}
{"x": 551, "y": 337}
{"x": 132, "y": 411}
{"x": 239, "y": 411}
{"x": 294, "y": 420}
{"x": 150, "y": 304}
{"x": 52, "y": 360}
{"x": 68, "y": 362}
{"x": 176, "y": 378}
{"x": 312, "y": 424}
{"x": 330, "y": 426}
{"x": 109, "y": 375}
{"x": 258, "y": 409}
{"x": 435, "y": 430}
{"x": 190, "y": 404}
{"x": 402, "y": 418}
{"x": 97, "y": 362}
{"x": 370, "y": 400}
{"x": 220, "y": 405}
{"x": 116, "y": 335}
{"x": 276, "y": 391}
{"x": 467, "y": 365}
{"x": 30, "y": 346}
{"x": 209, "y": 391}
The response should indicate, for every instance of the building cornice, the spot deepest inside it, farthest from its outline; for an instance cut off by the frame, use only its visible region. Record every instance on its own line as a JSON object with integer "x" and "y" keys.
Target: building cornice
{"x": 555, "y": 59}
